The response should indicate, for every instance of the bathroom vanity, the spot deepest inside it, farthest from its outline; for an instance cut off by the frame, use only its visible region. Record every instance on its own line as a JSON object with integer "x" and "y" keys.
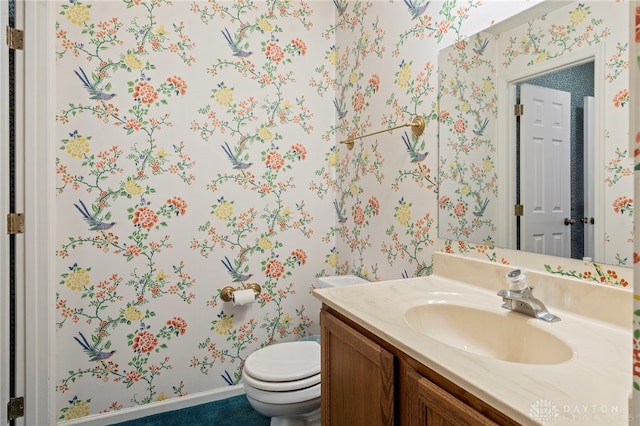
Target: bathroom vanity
{"x": 441, "y": 350}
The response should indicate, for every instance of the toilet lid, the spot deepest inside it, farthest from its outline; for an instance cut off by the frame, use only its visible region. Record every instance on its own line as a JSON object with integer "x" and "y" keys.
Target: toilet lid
{"x": 284, "y": 361}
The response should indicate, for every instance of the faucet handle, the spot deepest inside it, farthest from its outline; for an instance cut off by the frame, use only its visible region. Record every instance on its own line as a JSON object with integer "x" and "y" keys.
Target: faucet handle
{"x": 517, "y": 279}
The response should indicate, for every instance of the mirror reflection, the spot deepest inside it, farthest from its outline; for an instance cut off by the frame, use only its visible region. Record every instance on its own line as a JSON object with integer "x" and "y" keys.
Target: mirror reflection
{"x": 534, "y": 134}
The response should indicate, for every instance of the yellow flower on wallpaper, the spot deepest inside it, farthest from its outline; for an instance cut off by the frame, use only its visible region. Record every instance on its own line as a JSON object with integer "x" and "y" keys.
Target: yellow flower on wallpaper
{"x": 577, "y": 16}
{"x": 161, "y": 275}
{"x": 132, "y": 188}
{"x": 332, "y": 159}
{"x": 265, "y": 25}
{"x": 78, "y": 279}
{"x": 542, "y": 57}
{"x": 132, "y": 61}
{"x": 161, "y": 397}
{"x": 332, "y": 56}
{"x": 354, "y": 189}
{"x": 78, "y": 14}
{"x": 332, "y": 260}
{"x": 487, "y": 85}
{"x": 404, "y": 75}
{"x": 265, "y": 134}
{"x": 487, "y": 165}
{"x": 465, "y": 107}
{"x": 161, "y": 30}
{"x": 224, "y": 210}
{"x": 161, "y": 153}
{"x": 403, "y": 215}
{"x": 265, "y": 244}
{"x": 77, "y": 410}
{"x": 224, "y": 96}
{"x": 223, "y": 325}
{"x": 286, "y": 318}
{"x": 286, "y": 211}
{"x": 465, "y": 190}
{"x": 78, "y": 147}
{"x": 353, "y": 78}
{"x": 132, "y": 314}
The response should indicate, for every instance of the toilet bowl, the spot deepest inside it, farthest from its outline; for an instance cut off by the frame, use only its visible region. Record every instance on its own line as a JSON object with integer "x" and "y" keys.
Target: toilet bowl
{"x": 282, "y": 381}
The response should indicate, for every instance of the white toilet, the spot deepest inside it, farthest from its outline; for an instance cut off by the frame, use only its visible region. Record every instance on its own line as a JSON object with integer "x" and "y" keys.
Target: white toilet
{"x": 282, "y": 381}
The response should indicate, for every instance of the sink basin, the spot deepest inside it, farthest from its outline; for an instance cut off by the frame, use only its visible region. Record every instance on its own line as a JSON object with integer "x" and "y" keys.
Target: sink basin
{"x": 506, "y": 336}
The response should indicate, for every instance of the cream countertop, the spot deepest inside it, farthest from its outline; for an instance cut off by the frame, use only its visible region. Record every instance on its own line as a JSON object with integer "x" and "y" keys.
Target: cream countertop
{"x": 593, "y": 387}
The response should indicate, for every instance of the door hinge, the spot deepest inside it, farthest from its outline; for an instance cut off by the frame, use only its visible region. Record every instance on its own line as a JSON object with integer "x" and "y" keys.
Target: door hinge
{"x": 15, "y": 223}
{"x": 15, "y": 408}
{"x": 518, "y": 210}
{"x": 15, "y": 38}
{"x": 518, "y": 110}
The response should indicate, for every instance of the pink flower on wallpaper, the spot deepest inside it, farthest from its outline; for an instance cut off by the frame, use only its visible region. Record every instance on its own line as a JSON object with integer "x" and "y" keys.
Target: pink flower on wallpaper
{"x": 144, "y": 217}
{"x": 274, "y": 268}
{"x": 274, "y": 52}
{"x": 145, "y": 341}
{"x": 132, "y": 376}
{"x": 179, "y": 204}
{"x": 145, "y": 93}
{"x": 621, "y": 98}
{"x": 459, "y": 126}
{"x": 300, "y": 45}
{"x": 358, "y": 101}
{"x": 375, "y": 204}
{"x": 301, "y": 255}
{"x": 459, "y": 210}
{"x": 178, "y": 324}
{"x": 300, "y": 150}
{"x": 179, "y": 84}
{"x": 374, "y": 82}
{"x": 358, "y": 215}
{"x": 274, "y": 160}
{"x": 621, "y": 204}
{"x": 133, "y": 124}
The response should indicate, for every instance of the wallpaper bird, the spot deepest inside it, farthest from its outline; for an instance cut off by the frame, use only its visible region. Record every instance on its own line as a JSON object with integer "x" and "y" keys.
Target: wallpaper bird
{"x": 95, "y": 224}
{"x": 237, "y": 51}
{"x": 94, "y": 353}
{"x": 93, "y": 90}
{"x": 237, "y": 276}
{"x": 237, "y": 164}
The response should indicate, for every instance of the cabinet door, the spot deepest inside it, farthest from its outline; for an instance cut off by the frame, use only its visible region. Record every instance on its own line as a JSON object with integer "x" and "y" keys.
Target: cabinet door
{"x": 427, "y": 404}
{"x": 357, "y": 377}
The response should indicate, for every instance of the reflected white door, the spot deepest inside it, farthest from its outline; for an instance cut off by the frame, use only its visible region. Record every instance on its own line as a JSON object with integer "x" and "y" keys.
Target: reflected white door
{"x": 545, "y": 184}
{"x": 589, "y": 167}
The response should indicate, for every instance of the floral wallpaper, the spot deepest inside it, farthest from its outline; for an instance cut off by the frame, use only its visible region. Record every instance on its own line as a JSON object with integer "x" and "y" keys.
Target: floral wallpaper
{"x": 199, "y": 146}
{"x": 468, "y": 116}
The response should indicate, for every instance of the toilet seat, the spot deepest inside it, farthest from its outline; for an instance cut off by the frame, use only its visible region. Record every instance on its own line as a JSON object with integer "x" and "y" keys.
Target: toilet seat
{"x": 284, "y": 362}
{"x": 292, "y": 385}
{"x": 278, "y": 398}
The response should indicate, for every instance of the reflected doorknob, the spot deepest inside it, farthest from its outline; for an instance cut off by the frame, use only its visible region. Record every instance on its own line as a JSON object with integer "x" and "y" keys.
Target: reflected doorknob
{"x": 568, "y": 221}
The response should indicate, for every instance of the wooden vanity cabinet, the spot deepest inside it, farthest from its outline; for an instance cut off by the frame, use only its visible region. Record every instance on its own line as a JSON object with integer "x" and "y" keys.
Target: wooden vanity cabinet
{"x": 357, "y": 377}
{"x": 368, "y": 382}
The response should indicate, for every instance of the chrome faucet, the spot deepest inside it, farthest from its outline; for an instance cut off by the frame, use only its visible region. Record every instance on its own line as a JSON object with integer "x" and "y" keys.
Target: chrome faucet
{"x": 519, "y": 298}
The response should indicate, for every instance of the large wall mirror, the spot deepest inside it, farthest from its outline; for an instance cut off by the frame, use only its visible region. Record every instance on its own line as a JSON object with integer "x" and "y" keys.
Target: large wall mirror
{"x": 534, "y": 134}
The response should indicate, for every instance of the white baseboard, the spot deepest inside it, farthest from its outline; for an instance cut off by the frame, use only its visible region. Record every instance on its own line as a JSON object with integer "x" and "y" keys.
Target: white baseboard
{"x": 157, "y": 407}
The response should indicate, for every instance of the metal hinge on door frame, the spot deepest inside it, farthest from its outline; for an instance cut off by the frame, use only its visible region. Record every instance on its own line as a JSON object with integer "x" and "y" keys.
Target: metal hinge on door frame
{"x": 518, "y": 110}
{"x": 15, "y": 408}
{"x": 15, "y": 223}
{"x": 518, "y": 210}
{"x": 15, "y": 38}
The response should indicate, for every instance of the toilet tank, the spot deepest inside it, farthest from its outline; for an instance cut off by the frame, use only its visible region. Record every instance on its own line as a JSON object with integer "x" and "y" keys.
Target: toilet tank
{"x": 339, "y": 281}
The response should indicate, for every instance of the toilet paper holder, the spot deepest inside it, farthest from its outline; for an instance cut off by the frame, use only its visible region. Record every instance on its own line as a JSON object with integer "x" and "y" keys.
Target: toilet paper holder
{"x": 226, "y": 293}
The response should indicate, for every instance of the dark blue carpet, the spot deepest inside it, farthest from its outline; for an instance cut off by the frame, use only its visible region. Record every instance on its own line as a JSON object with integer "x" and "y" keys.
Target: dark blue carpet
{"x": 234, "y": 411}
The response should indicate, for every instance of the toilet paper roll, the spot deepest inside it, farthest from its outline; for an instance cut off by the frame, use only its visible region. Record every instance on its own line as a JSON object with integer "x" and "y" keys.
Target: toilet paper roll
{"x": 243, "y": 297}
